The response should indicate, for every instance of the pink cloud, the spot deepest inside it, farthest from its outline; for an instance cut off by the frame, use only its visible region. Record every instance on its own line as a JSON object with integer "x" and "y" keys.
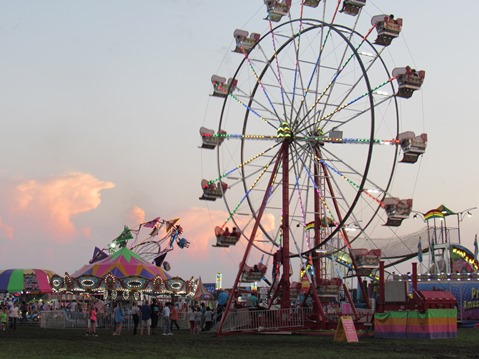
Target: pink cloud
{"x": 47, "y": 206}
{"x": 135, "y": 216}
{"x": 6, "y": 230}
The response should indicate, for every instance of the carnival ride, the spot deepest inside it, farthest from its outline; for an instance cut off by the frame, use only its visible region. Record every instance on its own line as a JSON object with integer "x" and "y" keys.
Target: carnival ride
{"x": 154, "y": 246}
{"x": 307, "y": 145}
{"x": 122, "y": 273}
{"x": 132, "y": 269}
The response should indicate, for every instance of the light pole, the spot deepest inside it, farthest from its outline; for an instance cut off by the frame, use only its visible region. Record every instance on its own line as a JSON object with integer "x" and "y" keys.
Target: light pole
{"x": 460, "y": 217}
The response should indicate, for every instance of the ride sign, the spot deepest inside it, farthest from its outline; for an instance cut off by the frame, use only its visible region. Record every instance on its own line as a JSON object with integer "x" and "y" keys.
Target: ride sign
{"x": 346, "y": 331}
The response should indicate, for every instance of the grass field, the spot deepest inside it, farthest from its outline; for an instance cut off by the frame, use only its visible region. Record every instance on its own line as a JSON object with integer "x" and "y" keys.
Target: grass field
{"x": 35, "y": 342}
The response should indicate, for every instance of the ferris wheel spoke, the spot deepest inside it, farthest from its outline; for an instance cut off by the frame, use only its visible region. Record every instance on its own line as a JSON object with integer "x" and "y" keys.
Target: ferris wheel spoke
{"x": 312, "y": 182}
{"x": 258, "y": 81}
{"x": 244, "y": 163}
{"x": 344, "y": 106}
{"x": 350, "y": 169}
{"x": 275, "y": 57}
{"x": 338, "y": 124}
{"x": 297, "y": 70}
{"x": 335, "y": 78}
{"x": 374, "y": 204}
{"x": 354, "y": 85}
{"x": 303, "y": 190}
{"x": 340, "y": 69}
{"x": 260, "y": 173}
{"x": 251, "y": 110}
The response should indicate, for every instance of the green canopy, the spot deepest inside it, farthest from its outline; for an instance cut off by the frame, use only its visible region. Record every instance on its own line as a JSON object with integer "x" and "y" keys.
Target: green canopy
{"x": 445, "y": 211}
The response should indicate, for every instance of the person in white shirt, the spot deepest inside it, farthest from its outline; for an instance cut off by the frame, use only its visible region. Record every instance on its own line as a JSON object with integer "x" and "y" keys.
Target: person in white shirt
{"x": 14, "y": 315}
{"x": 167, "y": 319}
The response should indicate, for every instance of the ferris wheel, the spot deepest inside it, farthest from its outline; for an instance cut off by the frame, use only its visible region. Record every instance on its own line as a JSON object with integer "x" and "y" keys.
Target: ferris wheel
{"x": 308, "y": 140}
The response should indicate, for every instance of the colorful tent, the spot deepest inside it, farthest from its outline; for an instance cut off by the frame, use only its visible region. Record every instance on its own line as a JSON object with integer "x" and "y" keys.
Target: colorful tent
{"x": 34, "y": 281}
{"x": 122, "y": 264}
{"x": 201, "y": 293}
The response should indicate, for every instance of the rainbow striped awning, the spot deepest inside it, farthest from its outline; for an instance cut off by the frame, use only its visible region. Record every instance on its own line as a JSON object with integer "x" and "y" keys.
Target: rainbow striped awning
{"x": 433, "y": 213}
{"x": 33, "y": 281}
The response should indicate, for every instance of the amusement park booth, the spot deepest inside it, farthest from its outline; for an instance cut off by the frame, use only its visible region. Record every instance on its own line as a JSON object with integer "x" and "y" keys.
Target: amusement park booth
{"x": 420, "y": 314}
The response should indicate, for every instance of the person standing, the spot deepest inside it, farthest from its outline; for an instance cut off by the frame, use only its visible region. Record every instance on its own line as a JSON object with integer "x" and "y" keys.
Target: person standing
{"x": 155, "y": 312}
{"x": 119, "y": 317}
{"x": 14, "y": 315}
{"x": 135, "y": 314}
{"x": 23, "y": 311}
{"x": 252, "y": 301}
{"x": 145, "y": 317}
{"x": 198, "y": 320}
{"x": 167, "y": 319}
{"x": 223, "y": 298}
{"x": 73, "y": 306}
{"x": 92, "y": 321}
{"x": 174, "y": 318}
{"x": 208, "y": 317}
{"x": 4, "y": 318}
{"x": 191, "y": 319}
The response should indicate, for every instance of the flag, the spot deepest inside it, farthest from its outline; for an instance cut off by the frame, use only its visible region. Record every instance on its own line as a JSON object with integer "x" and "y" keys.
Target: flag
{"x": 155, "y": 231}
{"x": 419, "y": 250}
{"x": 98, "y": 255}
{"x": 476, "y": 249}
{"x": 124, "y": 237}
{"x": 159, "y": 260}
{"x": 151, "y": 223}
{"x": 170, "y": 224}
{"x": 309, "y": 226}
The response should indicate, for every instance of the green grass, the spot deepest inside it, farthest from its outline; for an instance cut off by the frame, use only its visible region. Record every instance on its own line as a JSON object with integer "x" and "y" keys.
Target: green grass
{"x": 35, "y": 342}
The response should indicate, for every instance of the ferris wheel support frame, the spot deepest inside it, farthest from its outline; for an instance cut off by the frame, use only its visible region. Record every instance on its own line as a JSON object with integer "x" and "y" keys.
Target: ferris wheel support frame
{"x": 284, "y": 283}
{"x": 251, "y": 238}
{"x": 346, "y": 237}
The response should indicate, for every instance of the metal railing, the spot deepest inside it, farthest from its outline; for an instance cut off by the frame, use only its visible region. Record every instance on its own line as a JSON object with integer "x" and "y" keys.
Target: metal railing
{"x": 59, "y": 319}
{"x": 265, "y": 320}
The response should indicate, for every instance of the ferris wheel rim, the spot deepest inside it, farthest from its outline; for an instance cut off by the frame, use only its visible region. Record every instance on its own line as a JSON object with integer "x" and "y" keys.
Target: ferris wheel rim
{"x": 322, "y": 25}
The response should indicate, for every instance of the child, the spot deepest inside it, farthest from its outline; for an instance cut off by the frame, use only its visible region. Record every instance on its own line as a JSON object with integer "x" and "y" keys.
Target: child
{"x": 4, "y": 318}
{"x": 92, "y": 322}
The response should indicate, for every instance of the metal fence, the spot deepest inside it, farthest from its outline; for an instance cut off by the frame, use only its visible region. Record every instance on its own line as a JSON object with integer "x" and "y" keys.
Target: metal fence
{"x": 245, "y": 320}
{"x": 265, "y": 320}
{"x": 60, "y": 319}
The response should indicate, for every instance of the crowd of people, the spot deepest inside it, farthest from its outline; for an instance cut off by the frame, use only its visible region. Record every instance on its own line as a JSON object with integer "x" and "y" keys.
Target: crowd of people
{"x": 148, "y": 317}
{"x": 13, "y": 313}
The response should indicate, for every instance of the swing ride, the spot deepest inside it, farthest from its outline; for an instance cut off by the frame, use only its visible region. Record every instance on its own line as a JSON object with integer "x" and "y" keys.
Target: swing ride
{"x": 132, "y": 264}
{"x": 307, "y": 145}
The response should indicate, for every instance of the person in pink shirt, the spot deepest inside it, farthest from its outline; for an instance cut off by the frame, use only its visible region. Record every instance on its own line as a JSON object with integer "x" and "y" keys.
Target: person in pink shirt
{"x": 92, "y": 321}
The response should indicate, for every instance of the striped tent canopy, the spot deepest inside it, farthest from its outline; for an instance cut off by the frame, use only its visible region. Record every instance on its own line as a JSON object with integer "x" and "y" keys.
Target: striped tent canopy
{"x": 30, "y": 281}
{"x": 433, "y": 213}
{"x": 201, "y": 293}
{"x": 122, "y": 264}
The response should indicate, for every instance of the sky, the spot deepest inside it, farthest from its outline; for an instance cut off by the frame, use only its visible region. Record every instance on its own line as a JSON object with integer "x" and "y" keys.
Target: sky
{"x": 101, "y": 103}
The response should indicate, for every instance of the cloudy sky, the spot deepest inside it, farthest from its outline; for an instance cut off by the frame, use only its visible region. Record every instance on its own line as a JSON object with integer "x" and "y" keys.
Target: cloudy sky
{"x": 101, "y": 102}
